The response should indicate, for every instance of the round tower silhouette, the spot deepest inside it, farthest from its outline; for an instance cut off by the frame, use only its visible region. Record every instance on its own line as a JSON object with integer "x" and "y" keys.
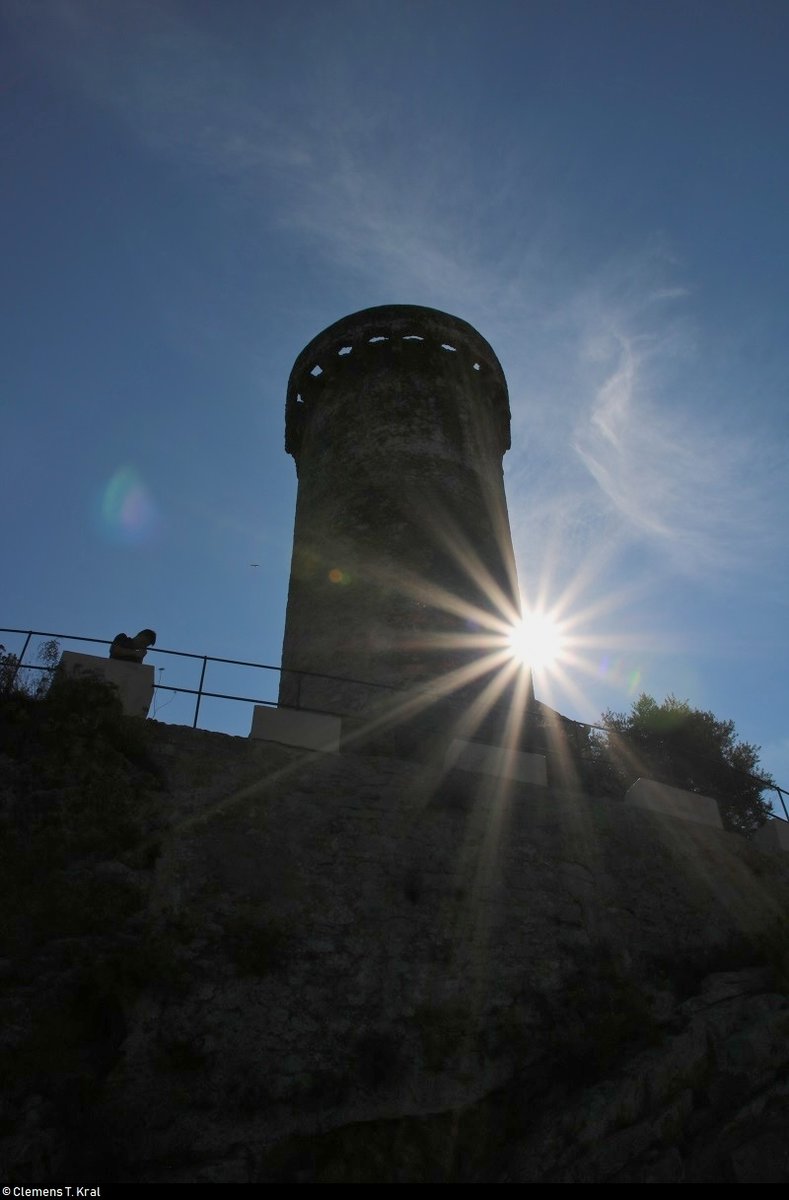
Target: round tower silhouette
{"x": 403, "y": 570}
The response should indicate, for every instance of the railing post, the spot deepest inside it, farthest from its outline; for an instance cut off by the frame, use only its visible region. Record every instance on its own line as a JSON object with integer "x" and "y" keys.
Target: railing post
{"x": 200, "y": 691}
{"x": 781, "y": 797}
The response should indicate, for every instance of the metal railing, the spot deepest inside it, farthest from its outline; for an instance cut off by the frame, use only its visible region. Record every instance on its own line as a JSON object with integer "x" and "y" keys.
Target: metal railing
{"x": 200, "y": 692}
{"x": 578, "y": 731}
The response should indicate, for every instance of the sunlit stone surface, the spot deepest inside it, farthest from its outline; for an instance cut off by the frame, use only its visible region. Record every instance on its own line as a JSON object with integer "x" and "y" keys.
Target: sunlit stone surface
{"x": 674, "y": 802}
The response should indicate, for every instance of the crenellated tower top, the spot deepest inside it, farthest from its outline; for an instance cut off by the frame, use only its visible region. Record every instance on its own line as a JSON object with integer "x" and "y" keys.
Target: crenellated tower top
{"x": 398, "y": 419}
{"x": 395, "y": 338}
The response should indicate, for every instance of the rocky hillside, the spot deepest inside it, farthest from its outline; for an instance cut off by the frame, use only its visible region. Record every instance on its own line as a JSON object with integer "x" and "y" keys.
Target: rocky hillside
{"x": 232, "y": 961}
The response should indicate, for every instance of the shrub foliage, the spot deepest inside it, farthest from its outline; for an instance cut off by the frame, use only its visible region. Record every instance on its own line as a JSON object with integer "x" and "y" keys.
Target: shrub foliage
{"x": 687, "y": 748}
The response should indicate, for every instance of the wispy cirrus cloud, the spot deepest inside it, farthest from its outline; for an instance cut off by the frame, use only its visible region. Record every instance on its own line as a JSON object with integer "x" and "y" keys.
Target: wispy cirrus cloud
{"x": 617, "y": 440}
{"x": 623, "y": 441}
{"x": 377, "y": 186}
{"x": 690, "y": 485}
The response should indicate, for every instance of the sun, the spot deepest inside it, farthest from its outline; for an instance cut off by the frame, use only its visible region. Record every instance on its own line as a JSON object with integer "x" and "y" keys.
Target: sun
{"x": 537, "y": 641}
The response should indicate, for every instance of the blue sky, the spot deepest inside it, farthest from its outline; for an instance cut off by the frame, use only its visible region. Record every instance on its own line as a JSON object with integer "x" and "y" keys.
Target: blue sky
{"x": 193, "y": 190}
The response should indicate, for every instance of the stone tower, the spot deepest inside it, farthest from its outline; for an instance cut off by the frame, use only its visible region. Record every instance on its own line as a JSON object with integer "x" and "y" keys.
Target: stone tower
{"x": 403, "y": 573}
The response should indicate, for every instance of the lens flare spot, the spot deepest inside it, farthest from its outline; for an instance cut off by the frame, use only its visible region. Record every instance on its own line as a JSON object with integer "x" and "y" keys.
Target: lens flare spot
{"x": 126, "y": 511}
{"x": 338, "y": 576}
{"x": 536, "y": 641}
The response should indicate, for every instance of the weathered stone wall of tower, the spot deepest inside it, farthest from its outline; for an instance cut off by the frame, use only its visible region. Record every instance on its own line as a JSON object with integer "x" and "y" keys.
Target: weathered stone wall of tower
{"x": 398, "y": 419}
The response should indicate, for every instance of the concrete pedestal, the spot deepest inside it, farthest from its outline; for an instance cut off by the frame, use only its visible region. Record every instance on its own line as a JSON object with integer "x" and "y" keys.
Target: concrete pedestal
{"x": 133, "y": 681}
{"x": 497, "y": 760}
{"x": 773, "y": 836}
{"x": 296, "y": 727}
{"x": 673, "y": 802}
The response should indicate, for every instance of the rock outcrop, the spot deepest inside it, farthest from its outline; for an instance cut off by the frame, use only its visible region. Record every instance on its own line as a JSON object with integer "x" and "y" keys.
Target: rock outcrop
{"x": 335, "y": 969}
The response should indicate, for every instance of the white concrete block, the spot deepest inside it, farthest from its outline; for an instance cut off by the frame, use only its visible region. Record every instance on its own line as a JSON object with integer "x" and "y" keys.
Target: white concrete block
{"x": 297, "y": 727}
{"x": 674, "y": 802}
{"x": 133, "y": 681}
{"x": 497, "y": 760}
{"x": 773, "y": 835}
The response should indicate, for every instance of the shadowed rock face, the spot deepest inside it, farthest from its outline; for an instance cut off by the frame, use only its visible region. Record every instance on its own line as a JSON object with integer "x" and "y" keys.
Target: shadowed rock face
{"x": 398, "y": 419}
{"x": 347, "y": 969}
